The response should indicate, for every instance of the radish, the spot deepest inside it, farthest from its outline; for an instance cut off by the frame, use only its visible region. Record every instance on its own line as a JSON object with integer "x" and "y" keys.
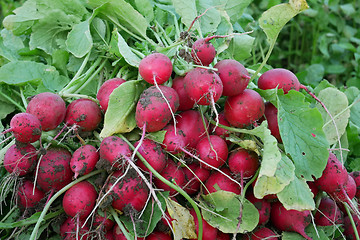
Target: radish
{"x": 84, "y": 113}
{"x": 356, "y": 176}
{"x": 244, "y": 109}
{"x": 213, "y": 151}
{"x": 233, "y": 75}
{"x": 155, "y": 111}
{"x": 348, "y": 228}
{"x": 279, "y": 78}
{"x": 83, "y": 160}
{"x": 105, "y": 90}
{"x": 157, "y": 235}
{"x": 328, "y": 213}
{"x": 71, "y": 229}
{"x": 346, "y": 192}
{"x": 203, "y": 52}
{"x": 209, "y": 232}
{"x": 25, "y": 127}
{"x": 174, "y": 141}
{"x": 54, "y": 169}
{"x": 103, "y": 221}
{"x": 314, "y": 189}
{"x": 109, "y": 235}
{"x": 49, "y": 108}
{"x": 289, "y": 220}
{"x": 153, "y": 154}
{"x": 203, "y": 86}
{"x": 79, "y": 200}
{"x": 243, "y": 162}
{"x": 194, "y": 177}
{"x": 26, "y": 198}
{"x": 222, "y": 236}
{"x": 113, "y": 153}
{"x": 219, "y": 180}
{"x": 262, "y": 205}
{"x": 262, "y": 233}
{"x": 173, "y": 173}
{"x": 271, "y": 113}
{"x": 185, "y": 103}
{"x": 130, "y": 193}
{"x": 20, "y": 158}
{"x": 221, "y": 132}
{"x": 155, "y": 67}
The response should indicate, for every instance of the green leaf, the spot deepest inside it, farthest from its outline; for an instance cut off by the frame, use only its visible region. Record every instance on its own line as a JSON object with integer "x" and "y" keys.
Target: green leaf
{"x": 235, "y": 8}
{"x": 188, "y": 12}
{"x": 10, "y": 45}
{"x": 303, "y": 138}
{"x": 222, "y": 210}
{"x": 5, "y": 109}
{"x": 291, "y": 236}
{"x": 145, "y": 8}
{"x": 79, "y": 41}
{"x": 337, "y": 104}
{"x": 124, "y": 50}
{"x": 211, "y": 19}
{"x": 353, "y": 95}
{"x": 120, "y": 115}
{"x": 240, "y": 47}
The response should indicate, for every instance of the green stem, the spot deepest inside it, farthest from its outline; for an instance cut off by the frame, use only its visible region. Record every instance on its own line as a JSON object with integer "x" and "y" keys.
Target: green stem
{"x": 83, "y": 85}
{"x": 119, "y": 223}
{"x": 73, "y": 95}
{"x": 9, "y": 213}
{"x": 352, "y": 221}
{"x": 170, "y": 184}
{"x": 21, "y": 108}
{"x": 53, "y": 198}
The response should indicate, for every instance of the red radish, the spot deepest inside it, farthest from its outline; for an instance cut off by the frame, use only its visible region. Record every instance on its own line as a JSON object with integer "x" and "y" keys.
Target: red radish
{"x": 262, "y": 205}
{"x": 155, "y": 67}
{"x": 271, "y": 113}
{"x": 243, "y": 162}
{"x": 279, "y": 78}
{"x": 314, "y": 189}
{"x": 117, "y": 233}
{"x": 173, "y": 141}
{"x": 109, "y": 235}
{"x": 222, "y": 236}
{"x": 79, "y": 200}
{"x": 70, "y": 229}
{"x": 130, "y": 193}
{"x": 262, "y": 233}
{"x": 290, "y": 220}
{"x": 26, "y": 198}
{"x": 173, "y": 173}
{"x": 234, "y": 76}
{"x": 193, "y": 177}
{"x": 244, "y": 109}
{"x": 113, "y": 153}
{"x": 103, "y": 221}
{"x": 348, "y": 228}
{"x": 25, "y": 127}
{"x": 356, "y": 176}
{"x": 213, "y": 151}
{"x": 49, "y": 108}
{"x": 83, "y": 160}
{"x": 54, "y": 169}
{"x": 157, "y": 235}
{"x": 219, "y": 180}
{"x": 84, "y": 113}
{"x": 209, "y": 232}
{"x": 203, "y": 86}
{"x": 153, "y": 110}
{"x": 185, "y": 103}
{"x": 346, "y": 192}
{"x": 328, "y": 213}
{"x": 20, "y": 158}
{"x": 105, "y": 90}
{"x": 153, "y": 154}
{"x": 221, "y": 132}
{"x": 203, "y": 52}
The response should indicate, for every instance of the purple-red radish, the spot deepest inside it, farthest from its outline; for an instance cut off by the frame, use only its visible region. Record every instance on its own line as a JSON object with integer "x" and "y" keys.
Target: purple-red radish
{"x": 243, "y": 163}
{"x": 130, "y": 193}
{"x": 25, "y": 196}
{"x": 173, "y": 173}
{"x": 220, "y": 180}
{"x": 155, "y": 111}
{"x": 54, "y": 169}
{"x": 84, "y": 113}
{"x": 79, "y": 200}
{"x": 203, "y": 52}
{"x": 72, "y": 229}
{"x": 20, "y": 158}
{"x": 185, "y": 103}
{"x": 209, "y": 232}
{"x": 109, "y": 235}
{"x": 271, "y": 113}
{"x": 290, "y": 220}
{"x": 356, "y": 176}
{"x": 279, "y": 78}
{"x": 203, "y": 86}
{"x": 174, "y": 141}
{"x": 234, "y": 76}
{"x": 194, "y": 173}
{"x": 153, "y": 154}
{"x": 328, "y": 213}
{"x": 244, "y": 109}
{"x": 314, "y": 189}
{"x": 25, "y": 127}
{"x": 212, "y": 150}
{"x": 84, "y": 160}
{"x": 222, "y": 236}
{"x": 262, "y": 205}
{"x": 114, "y": 153}
{"x": 262, "y": 233}
{"x": 157, "y": 235}
{"x": 348, "y": 228}
{"x": 346, "y": 192}
{"x": 49, "y": 108}
{"x": 103, "y": 221}
{"x": 221, "y": 132}
{"x": 155, "y": 67}
{"x": 118, "y": 234}
{"x": 105, "y": 90}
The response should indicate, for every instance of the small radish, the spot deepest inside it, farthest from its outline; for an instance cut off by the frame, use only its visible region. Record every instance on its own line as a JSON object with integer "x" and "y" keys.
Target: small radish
{"x": 153, "y": 154}
{"x": 279, "y": 78}
{"x": 118, "y": 234}
{"x": 209, "y": 232}
{"x": 173, "y": 173}
{"x": 203, "y": 52}
{"x": 262, "y": 233}
{"x": 314, "y": 189}
{"x": 157, "y": 235}
{"x": 84, "y": 113}
{"x": 203, "y": 86}
{"x": 185, "y": 103}
{"x": 105, "y": 90}
{"x": 25, "y": 196}
{"x": 346, "y": 192}
{"x": 155, "y": 111}
{"x": 194, "y": 175}
{"x": 155, "y": 67}
{"x": 73, "y": 229}
{"x": 262, "y": 205}
{"x": 234, "y": 76}
{"x": 218, "y": 180}
{"x": 174, "y": 139}
{"x": 84, "y": 160}
{"x": 328, "y": 213}
{"x": 244, "y": 109}
{"x": 49, "y": 108}
{"x": 223, "y": 236}
{"x": 103, "y": 221}
{"x": 113, "y": 153}
{"x": 243, "y": 163}
{"x": 221, "y": 132}
{"x": 290, "y": 220}
{"x": 271, "y": 113}
{"x": 20, "y": 158}
{"x": 356, "y": 176}
{"x": 348, "y": 228}
{"x": 212, "y": 150}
